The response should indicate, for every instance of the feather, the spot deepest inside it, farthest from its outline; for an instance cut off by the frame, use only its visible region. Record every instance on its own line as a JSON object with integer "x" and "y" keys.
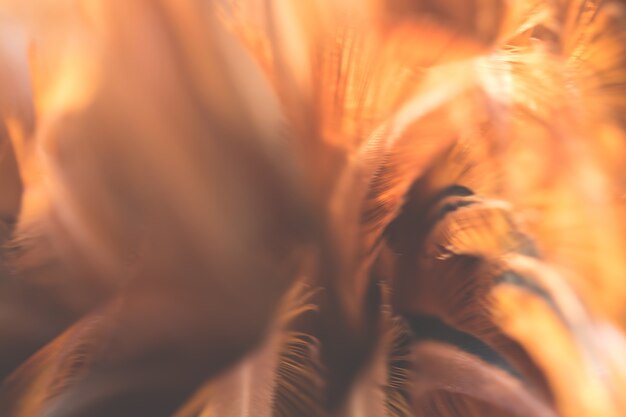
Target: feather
{"x": 440, "y": 370}
{"x": 102, "y": 225}
{"x": 53, "y": 370}
{"x": 299, "y": 379}
{"x": 398, "y": 378}
{"x": 480, "y": 239}
{"x": 281, "y": 375}
{"x": 178, "y": 169}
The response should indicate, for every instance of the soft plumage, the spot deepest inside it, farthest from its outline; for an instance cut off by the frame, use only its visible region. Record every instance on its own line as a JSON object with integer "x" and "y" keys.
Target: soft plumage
{"x": 312, "y": 208}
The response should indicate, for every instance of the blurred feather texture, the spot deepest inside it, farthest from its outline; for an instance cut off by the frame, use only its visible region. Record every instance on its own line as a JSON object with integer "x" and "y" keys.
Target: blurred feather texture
{"x": 281, "y": 208}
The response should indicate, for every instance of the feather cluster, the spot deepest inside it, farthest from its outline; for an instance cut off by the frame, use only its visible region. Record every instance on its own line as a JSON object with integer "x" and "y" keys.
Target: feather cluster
{"x": 320, "y": 208}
